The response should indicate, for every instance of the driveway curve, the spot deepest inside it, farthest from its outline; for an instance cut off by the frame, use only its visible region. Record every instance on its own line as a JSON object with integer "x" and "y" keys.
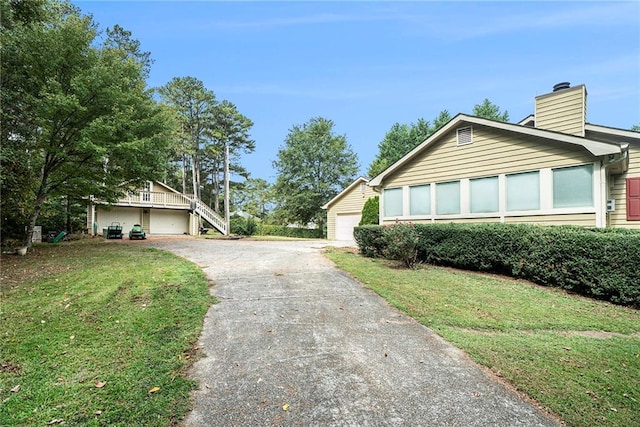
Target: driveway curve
{"x": 294, "y": 341}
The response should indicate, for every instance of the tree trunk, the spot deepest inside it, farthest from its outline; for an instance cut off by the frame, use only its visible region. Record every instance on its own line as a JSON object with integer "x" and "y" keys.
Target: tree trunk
{"x": 184, "y": 175}
{"x": 216, "y": 190}
{"x": 37, "y": 207}
{"x": 226, "y": 188}
{"x": 193, "y": 176}
{"x": 68, "y": 215}
{"x": 321, "y": 226}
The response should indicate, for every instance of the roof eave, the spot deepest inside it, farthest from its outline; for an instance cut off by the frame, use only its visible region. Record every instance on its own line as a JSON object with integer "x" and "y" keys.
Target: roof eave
{"x": 596, "y": 148}
{"x": 349, "y": 187}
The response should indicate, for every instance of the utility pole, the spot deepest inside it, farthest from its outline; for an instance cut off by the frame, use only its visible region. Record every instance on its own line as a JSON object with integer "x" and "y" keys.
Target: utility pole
{"x": 226, "y": 187}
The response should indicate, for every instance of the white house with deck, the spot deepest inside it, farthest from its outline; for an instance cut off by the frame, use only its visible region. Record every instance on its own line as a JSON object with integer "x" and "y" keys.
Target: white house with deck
{"x": 158, "y": 208}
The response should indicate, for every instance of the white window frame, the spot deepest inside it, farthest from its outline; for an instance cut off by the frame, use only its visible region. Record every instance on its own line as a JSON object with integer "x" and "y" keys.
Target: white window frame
{"x": 385, "y": 202}
{"x": 575, "y": 206}
{"x": 411, "y": 195}
{"x": 145, "y": 194}
{"x": 441, "y": 185}
{"x": 497, "y": 194}
{"x": 545, "y": 208}
{"x": 539, "y": 205}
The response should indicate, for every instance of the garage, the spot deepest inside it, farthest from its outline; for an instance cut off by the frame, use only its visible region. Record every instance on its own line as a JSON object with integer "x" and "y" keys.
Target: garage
{"x": 126, "y": 217}
{"x": 345, "y": 224}
{"x": 168, "y": 221}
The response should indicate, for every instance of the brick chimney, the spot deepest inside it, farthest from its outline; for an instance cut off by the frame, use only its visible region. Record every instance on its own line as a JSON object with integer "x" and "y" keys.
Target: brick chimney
{"x": 563, "y": 110}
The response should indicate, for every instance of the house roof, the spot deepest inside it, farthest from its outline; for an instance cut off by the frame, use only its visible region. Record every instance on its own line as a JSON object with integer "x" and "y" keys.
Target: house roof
{"x": 595, "y": 147}
{"x": 610, "y": 134}
{"x": 173, "y": 190}
{"x": 530, "y": 120}
{"x": 345, "y": 191}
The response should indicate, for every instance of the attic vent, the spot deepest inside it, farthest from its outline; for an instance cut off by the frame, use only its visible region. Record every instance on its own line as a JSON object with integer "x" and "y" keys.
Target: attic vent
{"x": 561, "y": 86}
{"x": 464, "y": 136}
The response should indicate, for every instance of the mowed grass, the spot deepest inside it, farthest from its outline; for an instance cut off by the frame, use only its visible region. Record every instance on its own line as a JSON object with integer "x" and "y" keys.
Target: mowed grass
{"x": 578, "y": 357}
{"x": 98, "y": 333}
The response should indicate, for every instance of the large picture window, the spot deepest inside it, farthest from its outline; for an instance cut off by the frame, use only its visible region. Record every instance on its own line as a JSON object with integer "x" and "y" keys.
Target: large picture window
{"x": 523, "y": 191}
{"x": 393, "y": 202}
{"x": 448, "y": 198}
{"x": 420, "y": 200}
{"x": 484, "y": 195}
{"x": 573, "y": 187}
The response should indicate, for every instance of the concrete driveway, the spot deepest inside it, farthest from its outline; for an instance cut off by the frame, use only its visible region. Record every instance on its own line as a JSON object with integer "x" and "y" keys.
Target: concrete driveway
{"x": 294, "y": 341}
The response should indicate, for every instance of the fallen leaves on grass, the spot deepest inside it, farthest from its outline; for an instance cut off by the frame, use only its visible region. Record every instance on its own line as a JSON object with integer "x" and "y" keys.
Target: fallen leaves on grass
{"x": 100, "y": 384}
{"x": 154, "y": 389}
{"x": 15, "y": 389}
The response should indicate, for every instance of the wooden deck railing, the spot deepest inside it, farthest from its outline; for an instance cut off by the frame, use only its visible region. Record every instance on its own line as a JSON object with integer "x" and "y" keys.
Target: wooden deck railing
{"x": 174, "y": 201}
{"x": 156, "y": 199}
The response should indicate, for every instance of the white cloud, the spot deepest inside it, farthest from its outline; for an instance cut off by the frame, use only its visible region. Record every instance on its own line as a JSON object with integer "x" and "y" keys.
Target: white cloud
{"x": 539, "y": 17}
{"x": 298, "y": 90}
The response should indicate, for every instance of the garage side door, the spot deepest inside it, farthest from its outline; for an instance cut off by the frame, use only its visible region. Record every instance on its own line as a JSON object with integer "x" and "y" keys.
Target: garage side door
{"x": 167, "y": 221}
{"x": 345, "y": 224}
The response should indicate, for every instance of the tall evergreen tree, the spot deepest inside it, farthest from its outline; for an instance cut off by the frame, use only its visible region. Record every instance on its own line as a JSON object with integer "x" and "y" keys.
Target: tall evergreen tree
{"x": 401, "y": 139}
{"x": 489, "y": 110}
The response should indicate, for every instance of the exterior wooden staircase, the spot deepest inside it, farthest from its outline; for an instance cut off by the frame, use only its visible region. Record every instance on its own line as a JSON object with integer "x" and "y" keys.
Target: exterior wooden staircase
{"x": 209, "y": 215}
{"x": 175, "y": 200}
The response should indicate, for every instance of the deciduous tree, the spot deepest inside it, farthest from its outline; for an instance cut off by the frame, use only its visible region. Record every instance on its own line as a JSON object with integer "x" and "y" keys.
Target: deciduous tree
{"x": 77, "y": 117}
{"x": 312, "y": 167}
{"x": 253, "y": 196}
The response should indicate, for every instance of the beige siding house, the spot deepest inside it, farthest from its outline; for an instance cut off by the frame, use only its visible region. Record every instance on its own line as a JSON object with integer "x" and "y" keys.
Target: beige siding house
{"x": 158, "y": 208}
{"x": 345, "y": 210}
{"x": 551, "y": 168}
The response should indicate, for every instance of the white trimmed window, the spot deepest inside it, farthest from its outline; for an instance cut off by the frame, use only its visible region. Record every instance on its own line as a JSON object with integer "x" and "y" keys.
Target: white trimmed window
{"x": 146, "y": 191}
{"x": 448, "y": 198}
{"x": 573, "y": 187}
{"x": 393, "y": 202}
{"x": 464, "y": 136}
{"x": 420, "y": 200}
{"x": 484, "y": 195}
{"x": 523, "y": 191}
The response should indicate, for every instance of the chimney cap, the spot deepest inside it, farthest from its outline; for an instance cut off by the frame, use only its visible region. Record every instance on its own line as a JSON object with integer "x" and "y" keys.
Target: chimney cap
{"x": 561, "y": 86}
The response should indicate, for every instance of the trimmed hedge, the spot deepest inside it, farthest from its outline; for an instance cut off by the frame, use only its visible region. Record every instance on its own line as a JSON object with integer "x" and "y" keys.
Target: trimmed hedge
{"x": 369, "y": 239}
{"x": 599, "y": 263}
{"x": 281, "y": 230}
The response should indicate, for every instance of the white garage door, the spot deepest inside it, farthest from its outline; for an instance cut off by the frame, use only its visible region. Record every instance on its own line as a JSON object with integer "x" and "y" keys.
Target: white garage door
{"x": 345, "y": 224}
{"x": 167, "y": 221}
{"x": 127, "y": 217}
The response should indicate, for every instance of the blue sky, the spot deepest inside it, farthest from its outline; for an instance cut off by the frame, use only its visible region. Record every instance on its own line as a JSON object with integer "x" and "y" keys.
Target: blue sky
{"x": 367, "y": 65}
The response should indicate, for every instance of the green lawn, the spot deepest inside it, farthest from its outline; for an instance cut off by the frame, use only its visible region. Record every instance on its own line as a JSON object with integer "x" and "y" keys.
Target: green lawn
{"x": 91, "y": 328}
{"x": 578, "y": 357}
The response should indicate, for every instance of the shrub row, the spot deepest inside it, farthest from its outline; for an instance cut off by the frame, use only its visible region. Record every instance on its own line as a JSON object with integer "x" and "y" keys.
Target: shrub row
{"x": 249, "y": 227}
{"x": 281, "y": 230}
{"x": 599, "y": 263}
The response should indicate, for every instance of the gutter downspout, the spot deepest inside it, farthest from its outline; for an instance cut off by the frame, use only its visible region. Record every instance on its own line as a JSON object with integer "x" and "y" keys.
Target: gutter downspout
{"x": 601, "y": 212}
{"x": 624, "y": 155}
